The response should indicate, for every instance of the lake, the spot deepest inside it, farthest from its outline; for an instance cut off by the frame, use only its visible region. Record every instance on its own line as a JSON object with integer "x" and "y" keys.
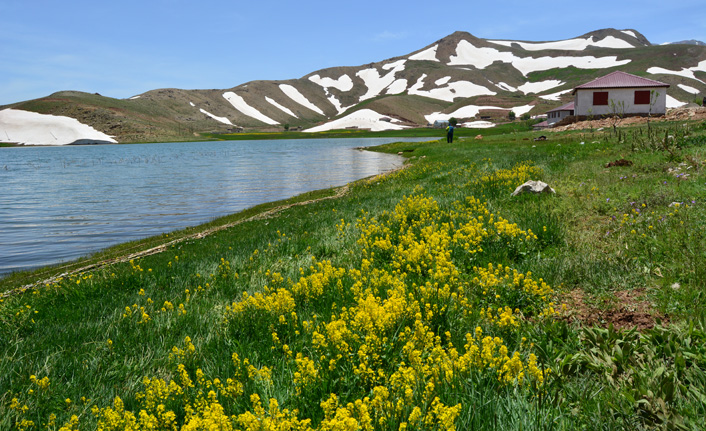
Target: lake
{"x": 61, "y": 203}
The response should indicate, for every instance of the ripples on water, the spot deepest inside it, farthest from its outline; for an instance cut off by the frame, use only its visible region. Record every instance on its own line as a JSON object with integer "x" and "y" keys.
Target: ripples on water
{"x": 60, "y": 203}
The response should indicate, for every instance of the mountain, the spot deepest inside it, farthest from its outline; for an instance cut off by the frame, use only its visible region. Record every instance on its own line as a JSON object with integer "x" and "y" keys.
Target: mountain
{"x": 460, "y": 75}
{"x": 688, "y": 42}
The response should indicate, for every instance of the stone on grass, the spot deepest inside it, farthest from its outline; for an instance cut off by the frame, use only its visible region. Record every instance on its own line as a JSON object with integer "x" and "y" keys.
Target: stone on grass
{"x": 533, "y": 187}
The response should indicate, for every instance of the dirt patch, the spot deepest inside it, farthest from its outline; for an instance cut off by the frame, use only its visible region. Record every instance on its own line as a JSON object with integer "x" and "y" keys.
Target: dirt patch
{"x": 677, "y": 114}
{"x": 631, "y": 309}
{"x": 621, "y": 162}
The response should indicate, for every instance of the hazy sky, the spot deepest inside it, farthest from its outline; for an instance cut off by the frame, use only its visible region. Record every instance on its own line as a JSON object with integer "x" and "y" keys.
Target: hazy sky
{"x": 126, "y": 47}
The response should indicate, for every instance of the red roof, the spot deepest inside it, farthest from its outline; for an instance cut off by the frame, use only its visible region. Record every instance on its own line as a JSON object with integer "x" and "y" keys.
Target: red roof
{"x": 619, "y": 79}
{"x": 568, "y": 107}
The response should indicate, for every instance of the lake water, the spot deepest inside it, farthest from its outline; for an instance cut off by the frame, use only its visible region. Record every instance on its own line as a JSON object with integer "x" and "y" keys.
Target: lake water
{"x": 60, "y": 203}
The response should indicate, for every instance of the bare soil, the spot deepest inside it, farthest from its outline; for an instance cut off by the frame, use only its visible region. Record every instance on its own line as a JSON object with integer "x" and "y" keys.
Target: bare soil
{"x": 678, "y": 114}
{"x": 630, "y": 309}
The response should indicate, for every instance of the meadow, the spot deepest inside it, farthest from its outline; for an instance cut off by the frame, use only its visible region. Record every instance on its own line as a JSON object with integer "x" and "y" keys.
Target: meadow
{"x": 426, "y": 299}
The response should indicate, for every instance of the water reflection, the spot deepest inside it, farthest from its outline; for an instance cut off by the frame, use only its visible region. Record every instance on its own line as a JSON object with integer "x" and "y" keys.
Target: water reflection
{"x": 59, "y": 203}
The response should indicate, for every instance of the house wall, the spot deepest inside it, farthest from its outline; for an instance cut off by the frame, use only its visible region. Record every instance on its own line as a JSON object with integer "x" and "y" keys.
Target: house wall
{"x": 583, "y": 101}
{"x": 556, "y": 116}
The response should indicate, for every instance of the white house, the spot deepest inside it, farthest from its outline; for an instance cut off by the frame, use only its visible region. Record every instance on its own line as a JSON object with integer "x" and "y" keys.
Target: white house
{"x": 558, "y": 114}
{"x": 620, "y": 93}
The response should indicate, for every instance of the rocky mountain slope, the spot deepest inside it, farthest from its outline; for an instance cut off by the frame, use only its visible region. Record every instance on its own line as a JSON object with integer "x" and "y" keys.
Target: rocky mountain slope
{"x": 460, "y": 75}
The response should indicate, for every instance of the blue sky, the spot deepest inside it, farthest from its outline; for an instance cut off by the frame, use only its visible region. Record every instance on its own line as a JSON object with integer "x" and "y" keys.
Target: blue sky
{"x": 124, "y": 48}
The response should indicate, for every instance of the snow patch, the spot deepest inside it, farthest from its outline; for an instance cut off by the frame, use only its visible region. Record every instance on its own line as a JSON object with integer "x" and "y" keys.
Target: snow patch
{"x": 578, "y": 44}
{"x": 31, "y": 128}
{"x": 468, "y": 54}
{"x": 223, "y": 120}
{"x": 397, "y": 87}
{"x": 506, "y": 87}
{"x": 443, "y": 80}
{"x": 688, "y": 89}
{"x": 478, "y": 125}
{"x": 629, "y": 33}
{"x": 555, "y": 96}
{"x": 295, "y": 95}
{"x": 538, "y": 87}
{"x": 395, "y": 65}
{"x": 192, "y": 104}
{"x": 280, "y": 107}
{"x": 363, "y": 119}
{"x": 685, "y": 72}
{"x": 470, "y": 111}
{"x": 451, "y": 91}
{"x": 343, "y": 83}
{"x": 134, "y": 97}
{"x": 377, "y": 83}
{"x": 428, "y": 54}
{"x": 673, "y": 103}
{"x": 521, "y": 110}
{"x": 240, "y": 104}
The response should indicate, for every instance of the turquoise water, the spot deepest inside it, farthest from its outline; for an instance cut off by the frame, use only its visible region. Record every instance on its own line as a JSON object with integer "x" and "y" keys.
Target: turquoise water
{"x": 60, "y": 203}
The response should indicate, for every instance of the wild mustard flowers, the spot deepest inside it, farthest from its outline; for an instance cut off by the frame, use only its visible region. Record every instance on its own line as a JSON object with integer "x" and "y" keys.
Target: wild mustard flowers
{"x": 377, "y": 344}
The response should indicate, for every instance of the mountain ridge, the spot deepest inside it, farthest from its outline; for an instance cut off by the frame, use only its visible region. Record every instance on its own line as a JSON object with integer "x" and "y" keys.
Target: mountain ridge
{"x": 457, "y": 75}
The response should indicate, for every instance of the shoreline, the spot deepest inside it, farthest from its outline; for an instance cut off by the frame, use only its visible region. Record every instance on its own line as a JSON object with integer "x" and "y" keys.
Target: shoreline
{"x": 200, "y": 231}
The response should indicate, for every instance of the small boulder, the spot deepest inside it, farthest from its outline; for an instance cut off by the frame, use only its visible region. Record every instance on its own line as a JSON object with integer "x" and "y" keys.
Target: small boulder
{"x": 533, "y": 187}
{"x": 479, "y": 137}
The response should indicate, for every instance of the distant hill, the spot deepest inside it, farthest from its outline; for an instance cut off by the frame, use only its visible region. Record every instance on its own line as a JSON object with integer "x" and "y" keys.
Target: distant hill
{"x": 460, "y": 75}
{"x": 688, "y": 42}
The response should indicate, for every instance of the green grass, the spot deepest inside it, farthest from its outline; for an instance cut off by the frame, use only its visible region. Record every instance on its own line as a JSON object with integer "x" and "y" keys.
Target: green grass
{"x": 74, "y": 332}
{"x": 516, "y": 127}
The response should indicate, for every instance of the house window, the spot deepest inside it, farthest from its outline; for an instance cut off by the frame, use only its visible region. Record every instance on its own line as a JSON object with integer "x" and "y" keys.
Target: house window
{"x": 600, "y": 98}
{"x": 642, "y": 97}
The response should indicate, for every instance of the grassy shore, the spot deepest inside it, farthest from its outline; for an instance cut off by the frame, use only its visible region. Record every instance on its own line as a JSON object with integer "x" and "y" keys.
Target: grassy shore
{"x": 426, "y": 299}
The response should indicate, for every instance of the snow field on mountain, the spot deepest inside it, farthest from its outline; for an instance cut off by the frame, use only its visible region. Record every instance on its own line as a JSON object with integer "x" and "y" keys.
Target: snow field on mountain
{"x": 31, "y": 128}
{"x": 223, "y": 120}
{"x": 451, "y": 91}
{"x": 673, "y": 103}
{"x": 240, "y": 104}
{"x": 478, "y": 124}
{"x": 686, "y": 72}
{"x": 470, "y": 111}
{"x": 468, "y": 54}
{"x": 555, "y": 96}
{"x": 538, "y": 87}
{"x": 578, "y": 44}
{"x": 295, "y": 95}
{"x": 428, "y": 54}
{"x": 375, "y": 82}
{"x": 343, "y": 83}
{"x": 688, "y": 89}
{"x": 363, "y": 119}
{"x": 280, "y": 107}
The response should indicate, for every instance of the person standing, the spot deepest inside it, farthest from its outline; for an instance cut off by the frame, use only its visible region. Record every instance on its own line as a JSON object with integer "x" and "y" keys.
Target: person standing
{"x": 450, "y": 133}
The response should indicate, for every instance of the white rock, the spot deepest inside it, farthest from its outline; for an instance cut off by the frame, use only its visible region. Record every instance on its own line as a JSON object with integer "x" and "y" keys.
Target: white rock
{"x": 533, "y": 187}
